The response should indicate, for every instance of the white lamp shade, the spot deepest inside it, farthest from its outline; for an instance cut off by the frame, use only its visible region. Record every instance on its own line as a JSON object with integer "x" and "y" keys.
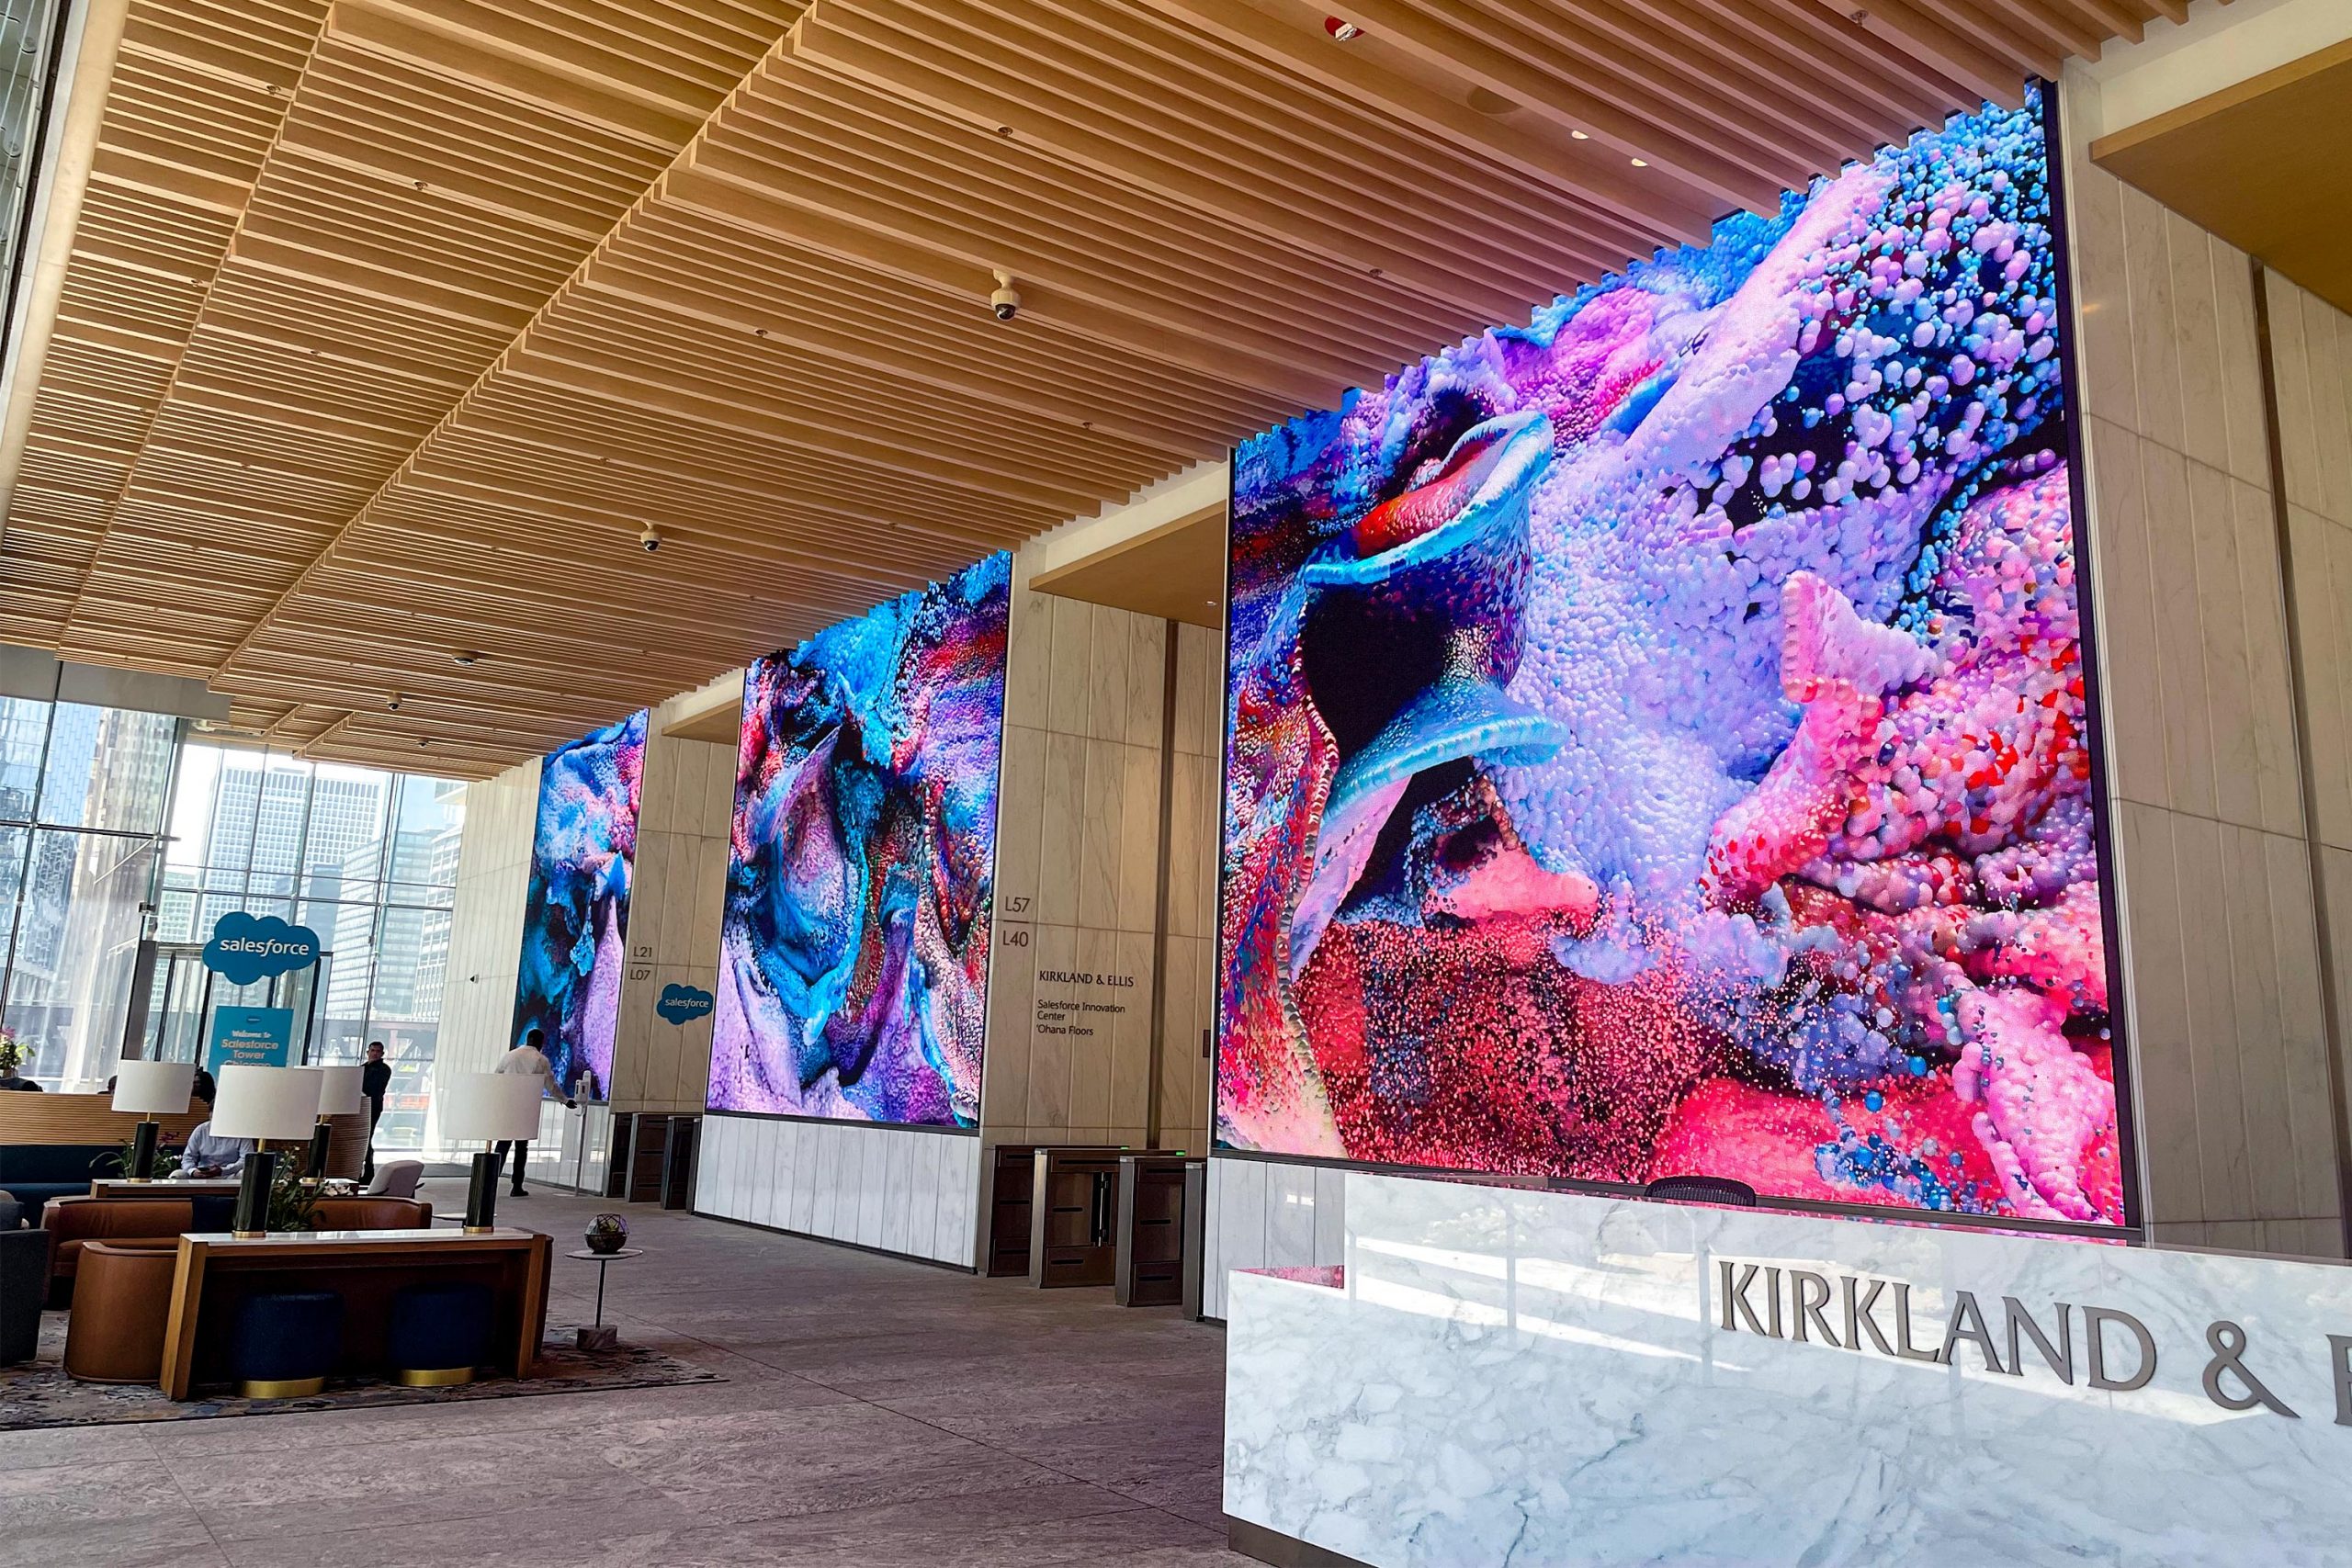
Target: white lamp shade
{"x": 152, "y": 1088}
{"x": 266, "y": 1102}
{"x": 339, "y": 1091}
{"x": 489, "y": 1106}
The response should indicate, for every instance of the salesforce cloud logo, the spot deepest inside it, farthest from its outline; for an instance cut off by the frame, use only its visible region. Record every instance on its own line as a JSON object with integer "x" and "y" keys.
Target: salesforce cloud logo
{"x": 245, "y": 948}
{"x": 680, "y": 1003}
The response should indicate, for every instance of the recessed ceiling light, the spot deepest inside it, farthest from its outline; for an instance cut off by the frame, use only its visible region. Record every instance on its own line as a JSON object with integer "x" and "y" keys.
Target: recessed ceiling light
{"x": 1581, "y": 135}
{"x": 467, "y": 657}
{"x": 1641, "y": 163}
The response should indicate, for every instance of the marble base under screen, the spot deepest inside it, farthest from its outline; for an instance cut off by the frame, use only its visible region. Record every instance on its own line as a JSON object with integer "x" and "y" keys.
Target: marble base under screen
{"x": 1522, "y": 1376}
{"x": 904, "y": 1189}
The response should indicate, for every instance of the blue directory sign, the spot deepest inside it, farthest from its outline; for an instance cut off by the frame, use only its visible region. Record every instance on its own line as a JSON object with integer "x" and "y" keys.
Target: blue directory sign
{"x": 261, "y": 1037}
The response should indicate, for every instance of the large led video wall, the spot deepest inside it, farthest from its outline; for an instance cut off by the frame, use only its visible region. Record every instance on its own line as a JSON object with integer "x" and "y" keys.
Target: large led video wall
{"x": 575, "y": 924}
{"x": 852, "y": 972}
{"x": 1658, "y": 734}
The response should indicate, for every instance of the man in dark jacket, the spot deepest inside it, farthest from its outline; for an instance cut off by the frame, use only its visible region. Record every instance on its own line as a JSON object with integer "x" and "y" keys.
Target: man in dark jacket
{"x": 374, "y": 1079}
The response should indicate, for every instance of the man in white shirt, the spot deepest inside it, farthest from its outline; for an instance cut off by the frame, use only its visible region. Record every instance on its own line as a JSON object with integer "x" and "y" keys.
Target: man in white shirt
{"x": 529, "y": 1059}
{"x": 206, "y": 1156}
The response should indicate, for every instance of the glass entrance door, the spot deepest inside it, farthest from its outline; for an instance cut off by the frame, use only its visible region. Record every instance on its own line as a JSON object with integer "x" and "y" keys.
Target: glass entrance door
{"x": 176, "y": 998}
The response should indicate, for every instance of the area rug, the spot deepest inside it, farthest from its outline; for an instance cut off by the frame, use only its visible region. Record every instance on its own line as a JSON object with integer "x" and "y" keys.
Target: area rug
{"x": 39, "y": 1393}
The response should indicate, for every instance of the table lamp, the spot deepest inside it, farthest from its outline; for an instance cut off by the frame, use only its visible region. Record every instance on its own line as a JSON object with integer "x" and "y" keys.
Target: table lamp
{"x": 339, "y": 1095}
{"x": 151, "y": 1089}
{"x": 266, "y": 1104}
{"x": 493, "y": 1107}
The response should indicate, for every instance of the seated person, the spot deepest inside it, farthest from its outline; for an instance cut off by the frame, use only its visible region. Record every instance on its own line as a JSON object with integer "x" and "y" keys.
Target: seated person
{"x": 206, "y": 1156}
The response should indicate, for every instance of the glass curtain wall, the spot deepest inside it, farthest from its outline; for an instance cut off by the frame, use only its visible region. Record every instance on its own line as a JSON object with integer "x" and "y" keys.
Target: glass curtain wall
{"x": 30, "y": 38}
{"x": 82, "y": 793}
{"x": 366, "y": 859}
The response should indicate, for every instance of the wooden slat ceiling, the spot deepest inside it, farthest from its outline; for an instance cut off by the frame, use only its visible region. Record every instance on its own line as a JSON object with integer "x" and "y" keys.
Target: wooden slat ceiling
{"x": 390, "y": 324}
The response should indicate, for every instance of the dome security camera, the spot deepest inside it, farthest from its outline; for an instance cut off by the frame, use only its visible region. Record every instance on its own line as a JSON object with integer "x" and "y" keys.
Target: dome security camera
{"x": 650, "y": 538}
{"x": 1006, "y": 301}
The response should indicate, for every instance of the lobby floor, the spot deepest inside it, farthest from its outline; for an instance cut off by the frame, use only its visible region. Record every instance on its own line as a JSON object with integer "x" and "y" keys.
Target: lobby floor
{"x": 877, "y": 1413}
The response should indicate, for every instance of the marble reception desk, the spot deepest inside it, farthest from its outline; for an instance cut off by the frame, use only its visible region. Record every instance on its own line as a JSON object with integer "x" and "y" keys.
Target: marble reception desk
{"x": 1507, "y": 1376}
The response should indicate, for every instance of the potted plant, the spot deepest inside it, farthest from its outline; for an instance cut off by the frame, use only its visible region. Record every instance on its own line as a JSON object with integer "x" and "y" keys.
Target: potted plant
{"x": 167, "y": 1161}
{"x": 293, "y": 1200}
{"x": 606, "y": 1233}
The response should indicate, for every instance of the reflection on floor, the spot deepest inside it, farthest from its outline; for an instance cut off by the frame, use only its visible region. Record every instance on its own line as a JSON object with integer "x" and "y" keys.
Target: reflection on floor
{"x": 877, "y": 1412}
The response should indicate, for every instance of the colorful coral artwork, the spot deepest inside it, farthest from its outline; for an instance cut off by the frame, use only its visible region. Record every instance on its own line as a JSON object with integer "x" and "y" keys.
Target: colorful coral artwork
{"x": 1658, "y": 736}
{"x": 576, "y": 922}
{"x": 852, "y": 972}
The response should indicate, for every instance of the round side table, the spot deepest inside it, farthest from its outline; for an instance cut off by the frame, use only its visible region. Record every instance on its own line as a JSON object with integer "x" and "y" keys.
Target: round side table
{"x": 601, "y": 1338}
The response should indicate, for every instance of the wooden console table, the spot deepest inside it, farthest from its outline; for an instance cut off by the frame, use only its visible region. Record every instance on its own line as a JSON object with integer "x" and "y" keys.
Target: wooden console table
{"x": 217, "y": 1271}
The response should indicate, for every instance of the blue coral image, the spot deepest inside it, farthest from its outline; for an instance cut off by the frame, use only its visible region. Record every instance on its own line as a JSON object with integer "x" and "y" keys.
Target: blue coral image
{"x": 1658, "y": 735}
{"x": 576, "y": 921}
{"x": 854, "y": 957}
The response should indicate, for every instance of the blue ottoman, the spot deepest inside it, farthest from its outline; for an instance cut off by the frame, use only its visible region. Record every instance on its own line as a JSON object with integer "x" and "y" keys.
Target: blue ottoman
{"x": 438, "y": 1333}
{"x": 284, "y": 1346}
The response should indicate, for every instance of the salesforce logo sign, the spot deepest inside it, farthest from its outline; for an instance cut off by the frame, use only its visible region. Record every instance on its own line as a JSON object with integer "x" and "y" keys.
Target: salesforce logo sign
{"x": 680, "y": 1004}
{"x": 245, "y": 948}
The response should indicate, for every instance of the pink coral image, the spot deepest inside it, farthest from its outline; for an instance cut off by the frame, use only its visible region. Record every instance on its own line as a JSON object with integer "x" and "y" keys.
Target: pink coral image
{"x": 1658, "y": 737}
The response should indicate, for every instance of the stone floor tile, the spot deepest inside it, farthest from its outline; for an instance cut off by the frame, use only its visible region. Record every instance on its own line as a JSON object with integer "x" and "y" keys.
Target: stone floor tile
{"x": 1047, "y": 1525}
{"x": 62, "y": 1497}
{"x": 72, "y": 1445}
{"x": 774, "y": 1464}
{"x": 327, "y": 1487}
{"x": 158, "y": 1539}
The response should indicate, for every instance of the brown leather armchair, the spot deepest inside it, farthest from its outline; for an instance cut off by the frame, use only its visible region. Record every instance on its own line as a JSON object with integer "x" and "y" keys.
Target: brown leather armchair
{"x": 121, "y": 1304}
{"x": 74, "y": 1222}
{"x": 375, "y": 1214}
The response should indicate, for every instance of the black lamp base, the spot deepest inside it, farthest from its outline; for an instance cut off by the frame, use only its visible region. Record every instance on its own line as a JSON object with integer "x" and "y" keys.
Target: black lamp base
{"x": 317, "y": 1168}
{"x": 142, "y": 1150}
{"x": 252, "y": 1195}
{"x": 482, "y": 1197}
